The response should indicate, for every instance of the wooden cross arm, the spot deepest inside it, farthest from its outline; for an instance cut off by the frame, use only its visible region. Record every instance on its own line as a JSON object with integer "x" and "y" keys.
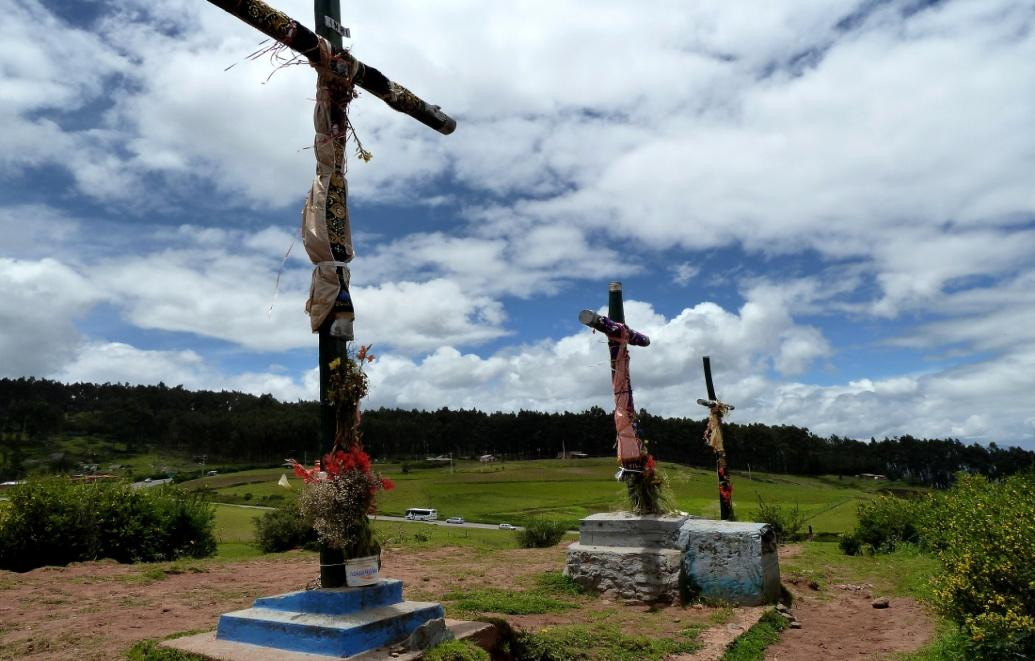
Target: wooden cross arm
{"x": 278, "y": 25}
{"x": 613, "y": 329}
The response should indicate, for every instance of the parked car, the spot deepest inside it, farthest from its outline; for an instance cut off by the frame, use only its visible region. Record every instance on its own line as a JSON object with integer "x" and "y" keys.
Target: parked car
{"x": 507, "y": 526}
{"x": 455, "y": 519}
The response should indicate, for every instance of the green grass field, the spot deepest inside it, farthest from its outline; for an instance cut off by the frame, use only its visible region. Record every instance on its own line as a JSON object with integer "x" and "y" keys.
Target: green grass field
{"x": 566, "y": 490}
{"x": 235, "y": 531}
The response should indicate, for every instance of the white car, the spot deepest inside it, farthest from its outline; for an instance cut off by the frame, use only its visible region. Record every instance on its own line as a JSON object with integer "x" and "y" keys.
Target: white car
{"x": 507, "y": 526}
{"x": 455, "y": 519}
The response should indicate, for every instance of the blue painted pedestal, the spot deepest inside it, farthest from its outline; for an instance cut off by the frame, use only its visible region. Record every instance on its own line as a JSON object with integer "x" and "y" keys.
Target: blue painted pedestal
{"x": 333, "y": 621}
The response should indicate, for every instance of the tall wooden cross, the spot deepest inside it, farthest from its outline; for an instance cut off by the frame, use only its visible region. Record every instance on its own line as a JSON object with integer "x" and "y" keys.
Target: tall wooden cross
{"x": 327, "y": 231}
{"x": 713, "y": 437}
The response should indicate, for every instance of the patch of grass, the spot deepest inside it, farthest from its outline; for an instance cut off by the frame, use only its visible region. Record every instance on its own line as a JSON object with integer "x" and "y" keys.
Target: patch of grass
{"x": 554, "y": 582}
{"x": 949, "y": 644}
{"x": 423, "y": 536}
{"x": 905, "y": 572}
{"x": 506, "y": 602}
{"x": 721, "y": 615}
{"x": 604, "y": 642}
{"x": 149, "y": 650}
{"x": 235, "y": 524}
{"x": 456, "y": 650}
{"x": 237, "y": 551}
{"x": 752, "y": 644}
{"x": 153, "y": 573}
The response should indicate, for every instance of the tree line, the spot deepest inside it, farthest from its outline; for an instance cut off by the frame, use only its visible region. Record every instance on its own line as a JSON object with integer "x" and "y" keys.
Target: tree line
{"x": 234, "y": 427}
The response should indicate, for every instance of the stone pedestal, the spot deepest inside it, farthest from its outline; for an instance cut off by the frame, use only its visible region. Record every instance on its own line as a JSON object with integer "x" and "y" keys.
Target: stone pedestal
{"x": 333, "y": 621}
{"x": 674, "y": 558}
{"x": 730, "y": 561}
{"x": 628, "y": 556}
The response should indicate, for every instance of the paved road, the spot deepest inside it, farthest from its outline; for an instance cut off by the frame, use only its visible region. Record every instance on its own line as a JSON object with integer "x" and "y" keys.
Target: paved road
{"x": 440, "y": 522}
{"x": 393, "y": 519}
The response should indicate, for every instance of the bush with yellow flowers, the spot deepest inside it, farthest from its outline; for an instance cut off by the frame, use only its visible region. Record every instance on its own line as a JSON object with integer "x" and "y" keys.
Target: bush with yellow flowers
{"x": 984, "y": 534}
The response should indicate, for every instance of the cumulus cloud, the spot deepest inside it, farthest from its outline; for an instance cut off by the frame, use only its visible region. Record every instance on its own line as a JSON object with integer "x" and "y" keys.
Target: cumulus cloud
{"x": 117, "y": 362}
{"x": 40, "y": 303}
{"x": 572, "y": 372}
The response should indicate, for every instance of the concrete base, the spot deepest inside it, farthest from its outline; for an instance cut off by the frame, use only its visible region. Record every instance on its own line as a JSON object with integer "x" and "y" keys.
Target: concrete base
{"x": 731, "y": 561}
{"x": 649, "y": 575}
{"x": 334, "y": 622}
{"x": 668, "y": 558}
{"x": 631, "y": 530}
{"x": 207, "y": 645}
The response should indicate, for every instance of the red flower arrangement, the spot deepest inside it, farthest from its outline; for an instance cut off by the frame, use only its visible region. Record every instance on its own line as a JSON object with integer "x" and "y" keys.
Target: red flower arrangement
{"x": 342, "y": 490}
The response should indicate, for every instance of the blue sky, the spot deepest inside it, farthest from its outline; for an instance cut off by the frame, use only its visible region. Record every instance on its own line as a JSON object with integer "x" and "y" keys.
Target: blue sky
{"x": 835, "y": 200}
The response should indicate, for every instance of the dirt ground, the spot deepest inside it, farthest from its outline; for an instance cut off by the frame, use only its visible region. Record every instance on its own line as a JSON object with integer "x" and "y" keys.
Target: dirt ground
{"x": 840, "y": 622}
{"x": 99, "y": 610}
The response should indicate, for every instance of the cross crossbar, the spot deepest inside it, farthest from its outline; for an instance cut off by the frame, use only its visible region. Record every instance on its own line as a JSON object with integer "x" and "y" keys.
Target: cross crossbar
{"x": 286, "y": 30}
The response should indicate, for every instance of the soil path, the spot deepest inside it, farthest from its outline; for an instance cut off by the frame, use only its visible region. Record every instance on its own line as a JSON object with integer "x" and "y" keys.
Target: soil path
{"x": 840, "y": 622}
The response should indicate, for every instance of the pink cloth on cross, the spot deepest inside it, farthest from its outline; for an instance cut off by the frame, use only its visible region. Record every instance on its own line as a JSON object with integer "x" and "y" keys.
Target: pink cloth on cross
{"x": 629, "y": 445}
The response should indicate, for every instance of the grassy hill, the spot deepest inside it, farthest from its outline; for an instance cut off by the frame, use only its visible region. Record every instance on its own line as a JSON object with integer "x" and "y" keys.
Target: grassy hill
{"x": 567, "y": 490}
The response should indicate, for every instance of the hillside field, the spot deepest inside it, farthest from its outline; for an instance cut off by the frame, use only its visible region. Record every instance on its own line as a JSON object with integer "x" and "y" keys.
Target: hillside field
{"x": 566, "y": 490}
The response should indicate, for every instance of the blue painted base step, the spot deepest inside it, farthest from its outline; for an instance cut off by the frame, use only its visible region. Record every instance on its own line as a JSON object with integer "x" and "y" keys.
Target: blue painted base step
{"x": 206, "y": 645}
{"x": 336, "y": 622}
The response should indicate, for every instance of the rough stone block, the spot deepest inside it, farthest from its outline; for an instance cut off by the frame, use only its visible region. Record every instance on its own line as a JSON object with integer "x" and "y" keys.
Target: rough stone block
{"x": 626, "y": 529}
{"x": 731, "y": 561}
{"x": 635, "y": 573}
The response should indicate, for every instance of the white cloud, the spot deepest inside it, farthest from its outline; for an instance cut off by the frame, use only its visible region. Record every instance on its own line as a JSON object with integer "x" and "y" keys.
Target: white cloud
{"x": 683, "y": 273}
{"x": 40, "y": 303}
{"x": 572, "y": 373}
{"x": 117, "y": 362}
{"x": 419, "y": 316}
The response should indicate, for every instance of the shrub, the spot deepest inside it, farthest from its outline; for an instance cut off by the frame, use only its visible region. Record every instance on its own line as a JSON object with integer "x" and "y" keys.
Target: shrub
{"x": 786, "y": 521}
{"x": 984, "y": 534}
{"x": 56, "y": 521}
{"x": 541, "y": 533}
{"x": 849, "y": 544}
{"x": 887, "y": 521}
{"x": 282, "y": 530}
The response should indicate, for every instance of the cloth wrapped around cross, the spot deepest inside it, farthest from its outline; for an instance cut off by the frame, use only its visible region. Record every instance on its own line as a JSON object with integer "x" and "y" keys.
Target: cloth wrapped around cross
{"x": 632, "y": 453}
{"x": 326, "y": 229}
